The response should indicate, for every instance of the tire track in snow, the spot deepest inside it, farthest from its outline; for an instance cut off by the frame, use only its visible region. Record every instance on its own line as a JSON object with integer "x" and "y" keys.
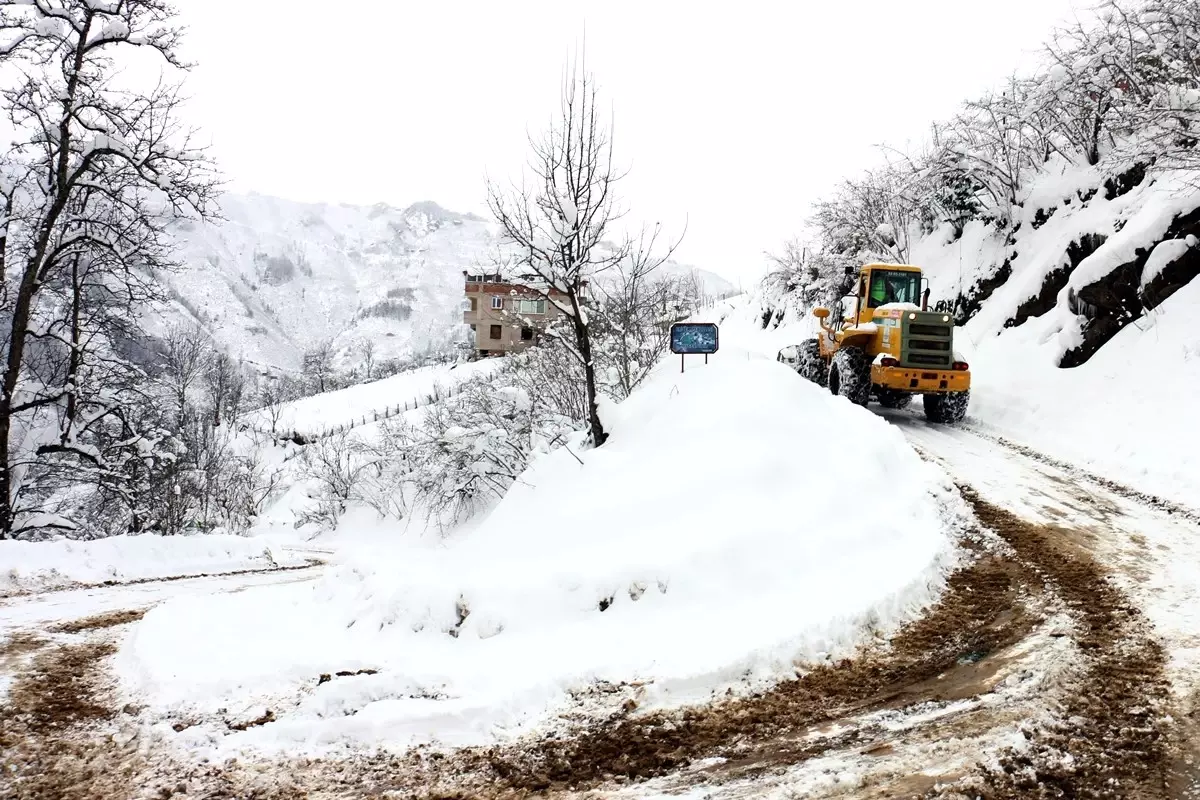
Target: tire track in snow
{"x": 1143, "y": 498}
{"x": 310, "y": 563}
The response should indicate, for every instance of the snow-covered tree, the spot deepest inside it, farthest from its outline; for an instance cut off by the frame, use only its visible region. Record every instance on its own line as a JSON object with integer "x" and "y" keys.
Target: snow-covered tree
{"x": 812, "y": 277}
{"x": 555, "y": 227}
{"x": 318, "y": 368}
{"x": 635, "y": 306}
{"x": 95, "y": 172}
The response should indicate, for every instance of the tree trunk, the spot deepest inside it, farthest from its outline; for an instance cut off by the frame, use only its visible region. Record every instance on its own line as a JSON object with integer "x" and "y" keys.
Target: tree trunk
{"x": 584, "y": 344}
{"x": 12, "y": 373}
{"x": 74, "y": 359}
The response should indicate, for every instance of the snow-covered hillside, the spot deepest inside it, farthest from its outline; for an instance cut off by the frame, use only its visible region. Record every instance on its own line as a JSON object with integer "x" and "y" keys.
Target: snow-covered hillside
{"x": 277, "y": 277}
{"x": 1092, "y": 250}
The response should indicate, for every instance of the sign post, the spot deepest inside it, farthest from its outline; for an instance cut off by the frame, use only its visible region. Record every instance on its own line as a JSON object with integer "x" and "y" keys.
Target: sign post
{"x": 693, "y": 338}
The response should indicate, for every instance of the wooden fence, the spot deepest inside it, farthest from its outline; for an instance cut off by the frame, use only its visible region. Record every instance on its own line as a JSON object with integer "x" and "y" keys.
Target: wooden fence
{"x": 378, "y": 415}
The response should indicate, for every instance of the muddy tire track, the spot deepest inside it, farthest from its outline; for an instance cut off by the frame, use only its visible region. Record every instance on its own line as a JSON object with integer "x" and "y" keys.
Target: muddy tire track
{"x": 53, "y": 745}
{"x": 1108, "y": 737}
{"x": 44, "y": 751}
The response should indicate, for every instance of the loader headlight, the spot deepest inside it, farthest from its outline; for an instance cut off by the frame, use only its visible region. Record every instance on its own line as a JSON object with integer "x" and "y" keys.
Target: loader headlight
{"x": 912, "y": 316}
{"x": 946, "y": 318}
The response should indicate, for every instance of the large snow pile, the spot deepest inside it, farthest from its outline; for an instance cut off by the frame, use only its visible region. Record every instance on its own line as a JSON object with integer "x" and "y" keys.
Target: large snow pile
{"x": 1128, "y": 413}
{"x": 30, "y": 566}
{"x": 738, "y": 520}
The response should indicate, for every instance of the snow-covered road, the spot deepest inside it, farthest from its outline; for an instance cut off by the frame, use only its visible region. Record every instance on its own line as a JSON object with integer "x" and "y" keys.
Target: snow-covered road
{"x": 925, "y": 730}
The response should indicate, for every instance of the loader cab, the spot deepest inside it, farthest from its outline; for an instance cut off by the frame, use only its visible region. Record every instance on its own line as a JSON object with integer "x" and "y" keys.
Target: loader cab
{"x": 881, "y": 284}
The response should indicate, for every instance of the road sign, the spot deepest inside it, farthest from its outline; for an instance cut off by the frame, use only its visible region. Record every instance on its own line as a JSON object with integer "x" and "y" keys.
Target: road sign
{"x": 694, "y": 338}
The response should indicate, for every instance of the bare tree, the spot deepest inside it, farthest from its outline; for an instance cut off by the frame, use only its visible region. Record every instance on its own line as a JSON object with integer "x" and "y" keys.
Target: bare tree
{"x": 636, "y": 307}
{"x": 226, "y": 384}
{"x": 318, "y": 367}
{"x": 187, "y": 358}
{"x": 274, "y": 396}
{"x": 93, "y": 177}
{"x": 367, "y": 350}
{"x": 556, "y": 227}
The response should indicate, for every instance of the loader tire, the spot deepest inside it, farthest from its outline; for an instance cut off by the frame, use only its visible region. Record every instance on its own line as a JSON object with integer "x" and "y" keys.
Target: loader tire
{"x": 947, "y": 408}
{"x": 850, "y": 375}
{"x": 810, "y": 365}
{"x": 891, "y": 398}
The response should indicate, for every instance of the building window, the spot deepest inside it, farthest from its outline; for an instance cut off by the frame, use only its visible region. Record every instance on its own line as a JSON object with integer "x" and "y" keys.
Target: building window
{"x": 532, "y": 306}
{"x": 495, "y": 332}
{"x": 497, "y": 302}
{"x": 526, "y": 334}
{"x": 474, "y": 304}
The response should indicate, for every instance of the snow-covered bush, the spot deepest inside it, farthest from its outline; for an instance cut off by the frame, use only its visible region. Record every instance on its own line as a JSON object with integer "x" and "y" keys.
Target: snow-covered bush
{"x": 472, "y": 447}
{"x": 338, "y": 464}
{"x": 553, "y": 375}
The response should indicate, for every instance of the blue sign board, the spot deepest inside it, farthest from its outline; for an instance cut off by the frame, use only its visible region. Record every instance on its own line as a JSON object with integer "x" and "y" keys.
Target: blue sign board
{"x": 693, "y": 338}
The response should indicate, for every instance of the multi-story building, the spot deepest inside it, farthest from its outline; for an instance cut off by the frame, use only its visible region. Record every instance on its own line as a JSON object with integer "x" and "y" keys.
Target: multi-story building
{"x": 505, "y": 317}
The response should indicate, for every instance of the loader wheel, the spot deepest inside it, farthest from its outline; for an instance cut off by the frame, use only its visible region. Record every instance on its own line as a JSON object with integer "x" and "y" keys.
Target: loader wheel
{"x": 850, "y": 375}
{"x": 892, "y": 398}
{"x": 809, "y": 364}
{"x": 947, "y": 408}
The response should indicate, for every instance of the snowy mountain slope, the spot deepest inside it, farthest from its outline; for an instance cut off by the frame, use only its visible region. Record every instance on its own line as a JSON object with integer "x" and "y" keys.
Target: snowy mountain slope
{"x": 277, "y": 277}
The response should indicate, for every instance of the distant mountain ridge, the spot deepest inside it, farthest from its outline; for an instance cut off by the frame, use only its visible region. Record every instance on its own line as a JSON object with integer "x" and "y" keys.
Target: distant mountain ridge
{"x": 278, "y": 276}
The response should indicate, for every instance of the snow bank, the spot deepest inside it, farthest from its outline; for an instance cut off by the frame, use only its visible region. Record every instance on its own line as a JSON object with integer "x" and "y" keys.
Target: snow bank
{"x": 1127, "y": 413}
{"x": 350, "y": 406}
{"x": 738, "y": 520}
{"x": 34, "y": 566}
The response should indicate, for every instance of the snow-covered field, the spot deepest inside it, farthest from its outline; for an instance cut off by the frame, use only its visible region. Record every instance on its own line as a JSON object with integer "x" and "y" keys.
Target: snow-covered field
{"x": 361, "y": 404}
{"x": 711, "y": 540}
{"x": 37, "y": 566}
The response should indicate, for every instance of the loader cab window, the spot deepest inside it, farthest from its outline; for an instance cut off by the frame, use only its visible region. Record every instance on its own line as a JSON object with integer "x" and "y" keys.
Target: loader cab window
{"x": 893, "y": 286}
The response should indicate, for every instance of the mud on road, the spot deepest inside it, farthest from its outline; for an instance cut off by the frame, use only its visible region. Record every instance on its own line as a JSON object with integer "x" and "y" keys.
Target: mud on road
{"x": 1103, "y": 734}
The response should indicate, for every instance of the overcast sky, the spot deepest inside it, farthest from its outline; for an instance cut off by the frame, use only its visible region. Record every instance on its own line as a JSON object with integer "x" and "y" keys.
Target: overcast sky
{"x": 732, "y": 117}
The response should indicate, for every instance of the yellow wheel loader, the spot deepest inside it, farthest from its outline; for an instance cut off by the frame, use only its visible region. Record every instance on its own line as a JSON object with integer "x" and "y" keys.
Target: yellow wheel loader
{"x": 889, "y": 347}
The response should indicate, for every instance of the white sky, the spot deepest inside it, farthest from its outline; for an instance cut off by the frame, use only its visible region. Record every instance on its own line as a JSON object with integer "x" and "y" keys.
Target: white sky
{"x": 734, "y": 117}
